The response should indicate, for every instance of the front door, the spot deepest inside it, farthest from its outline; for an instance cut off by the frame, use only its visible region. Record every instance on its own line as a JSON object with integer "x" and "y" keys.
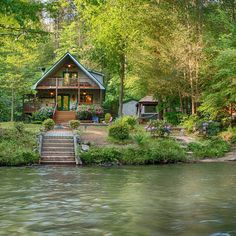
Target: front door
{"x": 63, "y": 102}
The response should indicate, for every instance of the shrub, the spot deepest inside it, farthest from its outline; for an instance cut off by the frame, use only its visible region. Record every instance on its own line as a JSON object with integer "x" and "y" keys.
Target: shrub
{"x": 140, "y": 138}
{"x": 229, "y": 135}
{"x": 74, "y": 124}
{"x": 48, "y": 124}
{"x": 119, "y": 130}
{"x": 43, "y": 114}
{"x": 209, "y": 148}
{"x": 191, "y": 123}
{"x": 130, "y": 120}
{"x": 213, "y": 128}
{"x": 107, "y": 117}
{"x": 159, "y": 151}
{"x": 86, "y": 112}
{"x": 17, "y": 150}
{"x": 101, "y": 156}
{"x": 173, "y": 117}
{"x": 19, "y": 126}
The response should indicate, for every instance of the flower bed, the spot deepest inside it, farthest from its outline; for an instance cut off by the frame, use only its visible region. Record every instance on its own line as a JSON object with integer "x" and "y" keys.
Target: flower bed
{"x": 87, "y": 112}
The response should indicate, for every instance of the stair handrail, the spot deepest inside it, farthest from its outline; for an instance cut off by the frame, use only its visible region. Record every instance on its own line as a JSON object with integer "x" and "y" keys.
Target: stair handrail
{"x": 77, "y": 158}
{"x": 40, "y": 143}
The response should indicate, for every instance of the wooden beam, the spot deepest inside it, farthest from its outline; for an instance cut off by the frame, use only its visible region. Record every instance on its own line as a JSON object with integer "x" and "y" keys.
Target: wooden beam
{"x": 78, "y": 96}
{"x": 100, "y": 97}
{"x": 56, "y": 90}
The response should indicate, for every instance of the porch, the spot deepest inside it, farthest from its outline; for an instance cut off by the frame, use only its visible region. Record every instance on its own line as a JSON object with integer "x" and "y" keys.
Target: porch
{"x": 62, "y": 99}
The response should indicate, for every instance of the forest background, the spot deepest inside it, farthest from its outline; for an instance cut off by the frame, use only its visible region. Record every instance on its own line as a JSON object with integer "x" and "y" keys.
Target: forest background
{"x": 181, "y": 51}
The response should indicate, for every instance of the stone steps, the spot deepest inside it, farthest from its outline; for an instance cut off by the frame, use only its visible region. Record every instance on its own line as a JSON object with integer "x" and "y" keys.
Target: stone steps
{"x": 54, "y": 144}
{"x": 69, "y": 153}
{"x": 57, "y": 149}
{"x": 58, "y": 158}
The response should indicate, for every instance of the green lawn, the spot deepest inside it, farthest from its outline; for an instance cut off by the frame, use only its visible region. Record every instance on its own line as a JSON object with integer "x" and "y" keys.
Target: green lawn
{"x": 28, "y": 127}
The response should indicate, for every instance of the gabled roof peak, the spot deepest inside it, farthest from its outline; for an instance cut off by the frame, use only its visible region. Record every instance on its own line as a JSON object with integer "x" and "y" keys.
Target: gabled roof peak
{"x": 68, "y": 54}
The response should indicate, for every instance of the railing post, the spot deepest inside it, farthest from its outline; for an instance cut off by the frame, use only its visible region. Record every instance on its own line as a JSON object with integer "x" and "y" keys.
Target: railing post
{"x": 40, "y": 143}
{"x": 77, "y": 159}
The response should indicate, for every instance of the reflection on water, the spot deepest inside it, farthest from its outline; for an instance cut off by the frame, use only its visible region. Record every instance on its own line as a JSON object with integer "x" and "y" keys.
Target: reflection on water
{"x": 184, "y": 200}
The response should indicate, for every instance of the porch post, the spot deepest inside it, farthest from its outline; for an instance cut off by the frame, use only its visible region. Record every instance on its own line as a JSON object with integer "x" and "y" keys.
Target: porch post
{"x": 100, "y": 97}
{"x": 78, "y": 96}
{"x": 56, "y": 91}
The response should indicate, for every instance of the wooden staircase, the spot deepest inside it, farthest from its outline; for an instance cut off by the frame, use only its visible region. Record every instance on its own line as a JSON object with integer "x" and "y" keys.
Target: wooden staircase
{"x": 64, "y": 116}
{"x": 58, "y": 150}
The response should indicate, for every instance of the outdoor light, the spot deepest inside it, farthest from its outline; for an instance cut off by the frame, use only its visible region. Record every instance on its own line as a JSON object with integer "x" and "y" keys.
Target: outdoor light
{"x": 51, "y": 93}
{"x": 69, "y": 65}
{"x": 84, "y": 93}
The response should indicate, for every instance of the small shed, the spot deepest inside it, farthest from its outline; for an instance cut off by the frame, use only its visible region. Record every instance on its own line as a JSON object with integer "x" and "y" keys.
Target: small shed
{"x": 147, "y": 108}
{"x": 130, "y": 107}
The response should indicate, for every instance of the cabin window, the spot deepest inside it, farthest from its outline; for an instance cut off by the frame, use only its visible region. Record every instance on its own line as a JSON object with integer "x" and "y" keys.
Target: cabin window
{"x": 86, "y": 98}
{"x": 150, "y": 109}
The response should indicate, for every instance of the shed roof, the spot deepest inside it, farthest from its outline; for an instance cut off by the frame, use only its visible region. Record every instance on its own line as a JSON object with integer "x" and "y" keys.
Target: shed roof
{"x": 148, "y": 99}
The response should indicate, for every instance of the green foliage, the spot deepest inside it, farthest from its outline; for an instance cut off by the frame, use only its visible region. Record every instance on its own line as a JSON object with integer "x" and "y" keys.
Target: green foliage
{"x": 229, "y": 135}
{"x": 140, "y": 138}
{"x": 74, "y": 124}
{"x": 130, "y": 120}
{"x": 86, "y": 112}
{"x": 173, "y": 118}
{"x": 107, "y": 118}
{"x": 19, "y": 126}
{"x": 119, "y": 130}
{"x": 209, "y": 148}
{"x": 101, "y": 156}
{"x": 43, "y": 114}
{"x": 159, "y": 151}
{"x": 213, "y": 128}
{"x": 48, "y": 124}
{"x": 191, "y": 123}
{"x": 17, "y": 148}
{"x": 158, "y": 128}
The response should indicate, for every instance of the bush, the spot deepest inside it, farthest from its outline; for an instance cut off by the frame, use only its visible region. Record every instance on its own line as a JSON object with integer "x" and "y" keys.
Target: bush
{"x": 107, "y": 118}
{"x": 229, "y": 135}
{"x": 86, "y": 112}
{"x": 74, "y": 124}
{"x": 17, "y": 150}
{"x": 48, "y": 124}
{"x": 140, "y": 138}
{"x": 19, "y": 126}
{"x": 191, "y": 123}
{"x": 119, "y": 130}
{"x": 173, "y": 117}
{"x": 158, "y": 151}
{"x": 101, "y": 156}
{"x": 43, "y": 114}
{"x": 209, "y": 148}
{"x": 130, "y": 120}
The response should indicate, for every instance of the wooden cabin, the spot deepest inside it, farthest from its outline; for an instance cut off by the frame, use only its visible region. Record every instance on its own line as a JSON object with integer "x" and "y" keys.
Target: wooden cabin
{"x": 65, "y": 86}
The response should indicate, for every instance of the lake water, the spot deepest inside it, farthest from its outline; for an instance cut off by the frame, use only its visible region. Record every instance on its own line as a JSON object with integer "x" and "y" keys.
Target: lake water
{"x": 186, "y": 200}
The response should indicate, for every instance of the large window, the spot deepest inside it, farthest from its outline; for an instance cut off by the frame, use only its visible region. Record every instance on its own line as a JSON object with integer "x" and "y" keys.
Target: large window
{"x": 150, "y": 109}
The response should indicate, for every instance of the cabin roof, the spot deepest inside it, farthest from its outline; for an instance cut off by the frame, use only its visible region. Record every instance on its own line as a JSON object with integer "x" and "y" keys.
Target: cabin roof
{"x": 91, "y": 74}
{"x": 148, "y": 99}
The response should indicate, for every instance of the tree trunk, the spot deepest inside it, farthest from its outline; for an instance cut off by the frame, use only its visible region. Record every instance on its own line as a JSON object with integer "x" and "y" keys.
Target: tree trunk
{"x": 122, "y": 79}
{"x": 181, "y": 102}
{"x": 12, "y": 105}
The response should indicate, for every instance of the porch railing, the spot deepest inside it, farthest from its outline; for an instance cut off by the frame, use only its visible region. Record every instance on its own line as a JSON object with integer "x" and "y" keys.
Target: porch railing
{"x": 62, "y": 82}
